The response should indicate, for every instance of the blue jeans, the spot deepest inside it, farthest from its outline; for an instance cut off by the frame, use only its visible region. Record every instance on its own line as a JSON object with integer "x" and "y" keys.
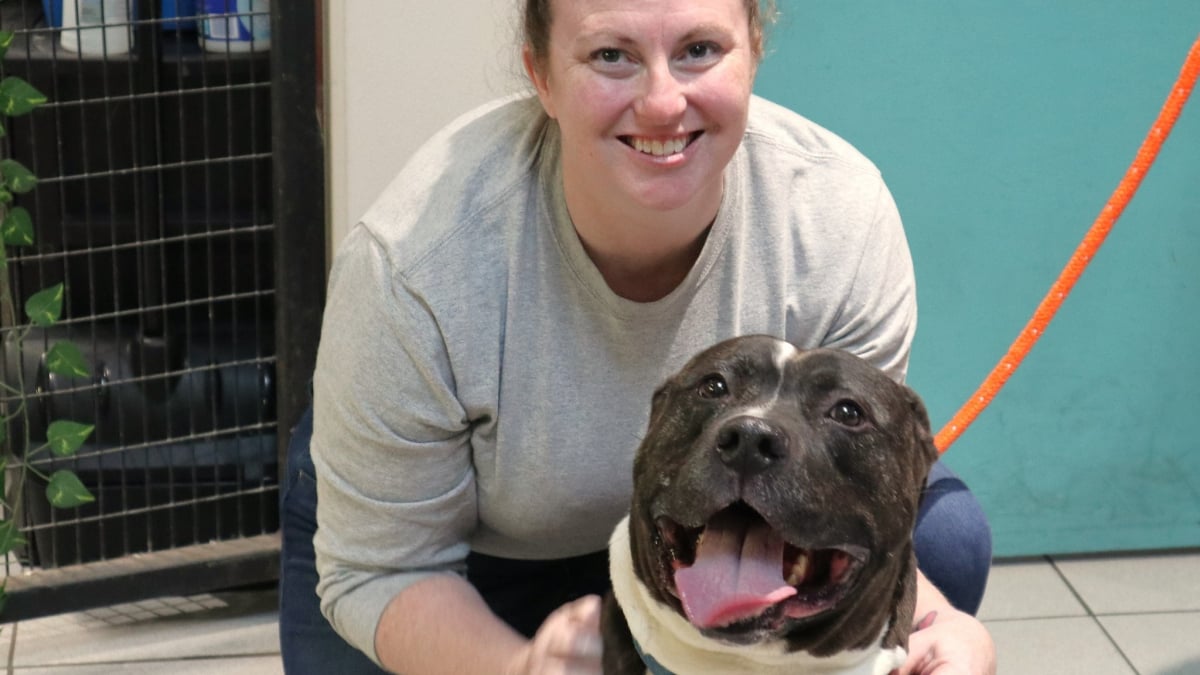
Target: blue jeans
{"x": 953, "y": 544}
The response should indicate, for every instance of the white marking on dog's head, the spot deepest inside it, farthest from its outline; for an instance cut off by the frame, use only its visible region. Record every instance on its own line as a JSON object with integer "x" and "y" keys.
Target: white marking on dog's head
{"x": 784, "y": 352}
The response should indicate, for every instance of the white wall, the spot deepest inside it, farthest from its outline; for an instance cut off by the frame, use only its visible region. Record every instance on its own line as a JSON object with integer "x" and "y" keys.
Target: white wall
{"x": 396, "y": 71}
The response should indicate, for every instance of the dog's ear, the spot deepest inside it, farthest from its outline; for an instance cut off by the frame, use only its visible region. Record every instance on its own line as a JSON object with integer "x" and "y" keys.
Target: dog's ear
{"x": 922, "y": 433}
{"x": 658, "y": 404}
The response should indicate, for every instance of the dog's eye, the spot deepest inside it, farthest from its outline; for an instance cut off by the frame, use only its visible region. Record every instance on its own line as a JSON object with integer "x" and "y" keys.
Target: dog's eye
{"x": 847, "y": 412}
{"x": 713, "y": 386}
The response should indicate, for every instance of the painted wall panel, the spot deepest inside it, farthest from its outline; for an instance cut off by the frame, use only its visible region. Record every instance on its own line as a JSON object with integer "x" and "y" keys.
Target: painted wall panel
{"x": 1001, "y": 129}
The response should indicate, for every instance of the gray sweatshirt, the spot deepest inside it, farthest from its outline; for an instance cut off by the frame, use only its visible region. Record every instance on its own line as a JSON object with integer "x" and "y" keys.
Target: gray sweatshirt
{"x": 479, "y": 386}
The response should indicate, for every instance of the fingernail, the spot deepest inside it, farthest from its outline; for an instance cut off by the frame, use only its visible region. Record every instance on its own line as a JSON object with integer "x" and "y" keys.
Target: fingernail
{"x": 926, "y": 621}
{"x": 589, "y": 645}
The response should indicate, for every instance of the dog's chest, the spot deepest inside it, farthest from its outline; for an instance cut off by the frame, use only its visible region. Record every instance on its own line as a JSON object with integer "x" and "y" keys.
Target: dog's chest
{"x": 671, "y": 645}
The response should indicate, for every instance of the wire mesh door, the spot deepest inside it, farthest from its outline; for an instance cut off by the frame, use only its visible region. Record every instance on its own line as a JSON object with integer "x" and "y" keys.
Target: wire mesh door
{"x": 154, "y": 208}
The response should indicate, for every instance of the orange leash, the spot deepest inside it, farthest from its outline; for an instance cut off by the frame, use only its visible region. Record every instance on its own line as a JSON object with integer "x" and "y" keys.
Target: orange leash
{"x": 1083, "y": 255}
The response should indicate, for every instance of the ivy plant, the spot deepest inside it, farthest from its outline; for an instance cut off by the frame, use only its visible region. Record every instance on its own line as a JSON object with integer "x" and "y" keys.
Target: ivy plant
{"x": 41, "y": 310}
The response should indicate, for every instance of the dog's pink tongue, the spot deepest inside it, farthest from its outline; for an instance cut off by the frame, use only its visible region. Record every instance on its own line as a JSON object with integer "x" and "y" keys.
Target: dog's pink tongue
{"x": 737, "y": 574}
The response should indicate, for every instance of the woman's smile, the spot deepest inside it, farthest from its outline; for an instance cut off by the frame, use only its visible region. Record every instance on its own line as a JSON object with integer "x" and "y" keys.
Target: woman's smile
{"x": 661, "y": 147}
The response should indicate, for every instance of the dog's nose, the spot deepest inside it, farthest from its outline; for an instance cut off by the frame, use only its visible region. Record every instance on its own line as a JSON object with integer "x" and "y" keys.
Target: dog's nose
{"x": 749, "y": 445}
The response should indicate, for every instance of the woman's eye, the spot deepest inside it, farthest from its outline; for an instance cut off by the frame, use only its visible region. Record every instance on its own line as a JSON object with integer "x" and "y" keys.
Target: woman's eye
{"x": 702, "y": 51}
{"x": 848, "y": 413}
{"x": 713, "y": 386}
{"x": 608, "y": 55}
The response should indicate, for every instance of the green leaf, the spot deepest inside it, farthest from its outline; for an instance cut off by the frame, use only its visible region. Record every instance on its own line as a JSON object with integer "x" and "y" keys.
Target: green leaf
{"x": 65, "y": 438}
{"x": 2, "y": 131}
{"x": 65, "y": 358}
{"x": 18, "y": 97}
{"x": 65, "y": 491}
{"x": 10, "y": 537}
{"x": 44, "y": 307}
{"x": 17, "y": 227}
{"x": 16, "y": 177}
{"x": 6, "y": 38}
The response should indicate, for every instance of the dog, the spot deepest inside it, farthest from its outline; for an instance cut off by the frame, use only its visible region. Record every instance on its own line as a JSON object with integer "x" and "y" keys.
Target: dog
{"x": 774, "y": 498}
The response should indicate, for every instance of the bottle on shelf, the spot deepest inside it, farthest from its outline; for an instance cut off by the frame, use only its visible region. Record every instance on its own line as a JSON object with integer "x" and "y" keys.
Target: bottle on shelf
{"x": 96, "y": 27}
{"x": 236, "y": 25}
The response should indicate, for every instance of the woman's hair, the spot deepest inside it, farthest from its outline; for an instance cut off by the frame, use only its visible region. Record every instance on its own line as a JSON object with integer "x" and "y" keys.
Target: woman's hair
{"x": 536, "y": 25}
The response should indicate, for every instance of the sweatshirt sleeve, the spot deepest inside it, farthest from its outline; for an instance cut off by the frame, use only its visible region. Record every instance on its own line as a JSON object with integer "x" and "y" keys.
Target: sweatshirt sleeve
{"x": 878, "y": 317}
{"x": 391, "y": 445}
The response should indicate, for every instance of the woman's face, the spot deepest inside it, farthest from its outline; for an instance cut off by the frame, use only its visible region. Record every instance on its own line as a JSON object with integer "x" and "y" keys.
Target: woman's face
{"x": 651, "y": 96}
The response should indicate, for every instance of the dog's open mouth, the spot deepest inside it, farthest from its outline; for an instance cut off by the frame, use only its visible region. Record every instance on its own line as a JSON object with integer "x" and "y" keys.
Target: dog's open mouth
{"x": 737, "y": 568}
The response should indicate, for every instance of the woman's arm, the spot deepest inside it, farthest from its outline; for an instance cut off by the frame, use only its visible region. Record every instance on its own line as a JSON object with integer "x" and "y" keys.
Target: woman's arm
{"x": 396, "y": 487}
{"x": 442, "y": 625}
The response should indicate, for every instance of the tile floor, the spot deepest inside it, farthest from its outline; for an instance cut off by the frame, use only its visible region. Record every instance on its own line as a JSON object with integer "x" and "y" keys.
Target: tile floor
{"x": 1112, "y": 615}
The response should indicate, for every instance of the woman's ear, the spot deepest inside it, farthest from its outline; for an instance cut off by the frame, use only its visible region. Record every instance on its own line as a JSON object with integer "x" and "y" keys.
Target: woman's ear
{"x": 539, "y": 78}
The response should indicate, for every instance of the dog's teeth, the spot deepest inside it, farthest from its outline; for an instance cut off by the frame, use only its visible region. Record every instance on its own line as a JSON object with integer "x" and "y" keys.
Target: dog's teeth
{"x": 798, "y": 571}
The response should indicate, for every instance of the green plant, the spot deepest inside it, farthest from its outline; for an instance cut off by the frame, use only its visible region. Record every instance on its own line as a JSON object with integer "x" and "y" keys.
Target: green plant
{"x": 42, "y": 309}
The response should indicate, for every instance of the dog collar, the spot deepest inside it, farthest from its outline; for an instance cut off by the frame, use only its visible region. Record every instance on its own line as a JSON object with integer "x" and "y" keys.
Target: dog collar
{"x": 654, "y": 667}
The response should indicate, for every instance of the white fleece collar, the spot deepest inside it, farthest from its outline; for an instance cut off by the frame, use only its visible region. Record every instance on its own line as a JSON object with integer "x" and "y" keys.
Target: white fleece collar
{"x": 680, "y": 648}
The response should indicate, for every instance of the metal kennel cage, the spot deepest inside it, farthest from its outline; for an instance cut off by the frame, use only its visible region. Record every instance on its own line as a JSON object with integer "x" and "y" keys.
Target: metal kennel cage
{"x": 180, "y": 203}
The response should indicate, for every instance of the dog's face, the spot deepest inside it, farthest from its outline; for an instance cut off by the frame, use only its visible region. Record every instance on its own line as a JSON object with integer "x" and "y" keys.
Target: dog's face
{"x": 775, "y": 495}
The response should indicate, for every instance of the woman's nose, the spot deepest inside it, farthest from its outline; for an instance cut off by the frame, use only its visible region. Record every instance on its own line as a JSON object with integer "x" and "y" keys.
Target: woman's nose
{"x": 662, "y": 98}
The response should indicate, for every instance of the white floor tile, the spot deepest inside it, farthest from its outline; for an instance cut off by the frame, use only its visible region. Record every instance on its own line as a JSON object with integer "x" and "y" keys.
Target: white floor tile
{"x": 1028, "y": 589}
{"x": 1167, "y": 582}
{"x": 1158, "y": 644}
{"x": 247, "y": 625}
{"x": 1071, "y": 646}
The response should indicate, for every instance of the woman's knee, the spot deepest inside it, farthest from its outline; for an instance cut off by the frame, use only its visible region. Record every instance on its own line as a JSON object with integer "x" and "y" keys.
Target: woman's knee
{"x": 953, "y": 540}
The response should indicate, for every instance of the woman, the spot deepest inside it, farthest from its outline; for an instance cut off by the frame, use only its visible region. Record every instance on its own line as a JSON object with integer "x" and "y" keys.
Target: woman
{"x": 498, "y": 320}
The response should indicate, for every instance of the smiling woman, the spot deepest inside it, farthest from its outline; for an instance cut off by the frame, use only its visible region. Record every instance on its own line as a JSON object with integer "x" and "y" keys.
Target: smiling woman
{"x": 498, "y": 321}
{"x": 651, "y": 102}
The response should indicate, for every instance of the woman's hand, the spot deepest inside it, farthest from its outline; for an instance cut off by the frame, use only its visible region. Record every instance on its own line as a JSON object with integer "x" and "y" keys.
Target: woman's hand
{"x": 950, "y": 643}
{"x": 567, "y": 643}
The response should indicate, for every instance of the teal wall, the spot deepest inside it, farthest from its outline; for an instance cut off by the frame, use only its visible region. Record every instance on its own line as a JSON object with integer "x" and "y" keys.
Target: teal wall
{"x": 1002, "y": 128}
